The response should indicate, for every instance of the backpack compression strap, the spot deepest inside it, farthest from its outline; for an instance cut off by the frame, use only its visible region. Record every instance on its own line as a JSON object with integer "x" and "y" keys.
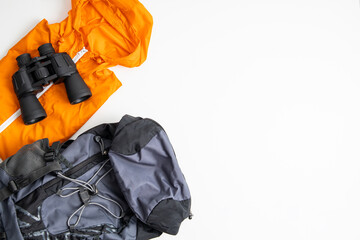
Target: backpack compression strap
{"x": 17, "y": 184}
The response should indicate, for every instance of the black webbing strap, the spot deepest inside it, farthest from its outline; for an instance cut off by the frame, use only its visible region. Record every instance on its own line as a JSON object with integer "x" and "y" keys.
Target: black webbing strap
{"x": 2, "y": 236}
{"x": 5, "y": 193}
{"x": 17, "y": 184}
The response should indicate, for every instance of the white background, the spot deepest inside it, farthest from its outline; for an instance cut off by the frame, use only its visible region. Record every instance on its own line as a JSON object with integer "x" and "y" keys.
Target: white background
{"x": 261, "y": 100}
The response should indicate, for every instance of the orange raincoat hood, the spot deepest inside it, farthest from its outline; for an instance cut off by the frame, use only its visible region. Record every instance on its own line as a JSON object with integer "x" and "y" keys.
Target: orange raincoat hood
{"x": 115, "y": 32}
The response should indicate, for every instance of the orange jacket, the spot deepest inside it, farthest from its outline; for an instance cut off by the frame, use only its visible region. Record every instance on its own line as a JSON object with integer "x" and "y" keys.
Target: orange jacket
{"x": 115, "y": 32}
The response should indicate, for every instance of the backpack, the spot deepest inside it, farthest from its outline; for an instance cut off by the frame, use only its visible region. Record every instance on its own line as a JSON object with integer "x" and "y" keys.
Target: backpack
{"x": 115, "y": 181}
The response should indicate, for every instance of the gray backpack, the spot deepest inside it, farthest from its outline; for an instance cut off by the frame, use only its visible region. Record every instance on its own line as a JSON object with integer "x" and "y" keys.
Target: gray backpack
{"x": 115, "y": 181}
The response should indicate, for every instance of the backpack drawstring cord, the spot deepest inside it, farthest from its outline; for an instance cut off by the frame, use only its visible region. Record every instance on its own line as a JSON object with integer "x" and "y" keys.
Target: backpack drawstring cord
{"x": 92, "y": 190}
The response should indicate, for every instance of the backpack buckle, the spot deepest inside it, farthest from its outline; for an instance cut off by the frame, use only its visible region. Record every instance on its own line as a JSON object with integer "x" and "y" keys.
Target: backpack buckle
{"x": 12, "y": 186}
{"x": 50, "y": 156}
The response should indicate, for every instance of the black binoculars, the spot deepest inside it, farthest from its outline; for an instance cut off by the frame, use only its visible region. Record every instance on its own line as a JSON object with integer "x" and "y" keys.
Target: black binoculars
{"x": 35, "y": 73}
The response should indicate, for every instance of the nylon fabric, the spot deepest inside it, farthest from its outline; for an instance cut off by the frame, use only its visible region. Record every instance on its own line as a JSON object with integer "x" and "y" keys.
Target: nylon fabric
{"x": 10, "y": 222}
{"x": 55, "y": 216}
{"x": 115, "y": 32}
{"x": 2, "y": 231}
{"x": 83, "y": 148}
{"x": 33, "y": 167}
{"x": 149, "y": 176}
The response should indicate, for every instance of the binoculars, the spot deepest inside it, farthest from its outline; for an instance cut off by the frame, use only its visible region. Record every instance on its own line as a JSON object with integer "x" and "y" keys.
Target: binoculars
{"x": 35, "y": 73}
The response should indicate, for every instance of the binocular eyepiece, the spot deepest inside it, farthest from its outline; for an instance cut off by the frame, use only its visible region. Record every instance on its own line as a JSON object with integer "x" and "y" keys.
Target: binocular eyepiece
{"x": 35, "y": 73}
